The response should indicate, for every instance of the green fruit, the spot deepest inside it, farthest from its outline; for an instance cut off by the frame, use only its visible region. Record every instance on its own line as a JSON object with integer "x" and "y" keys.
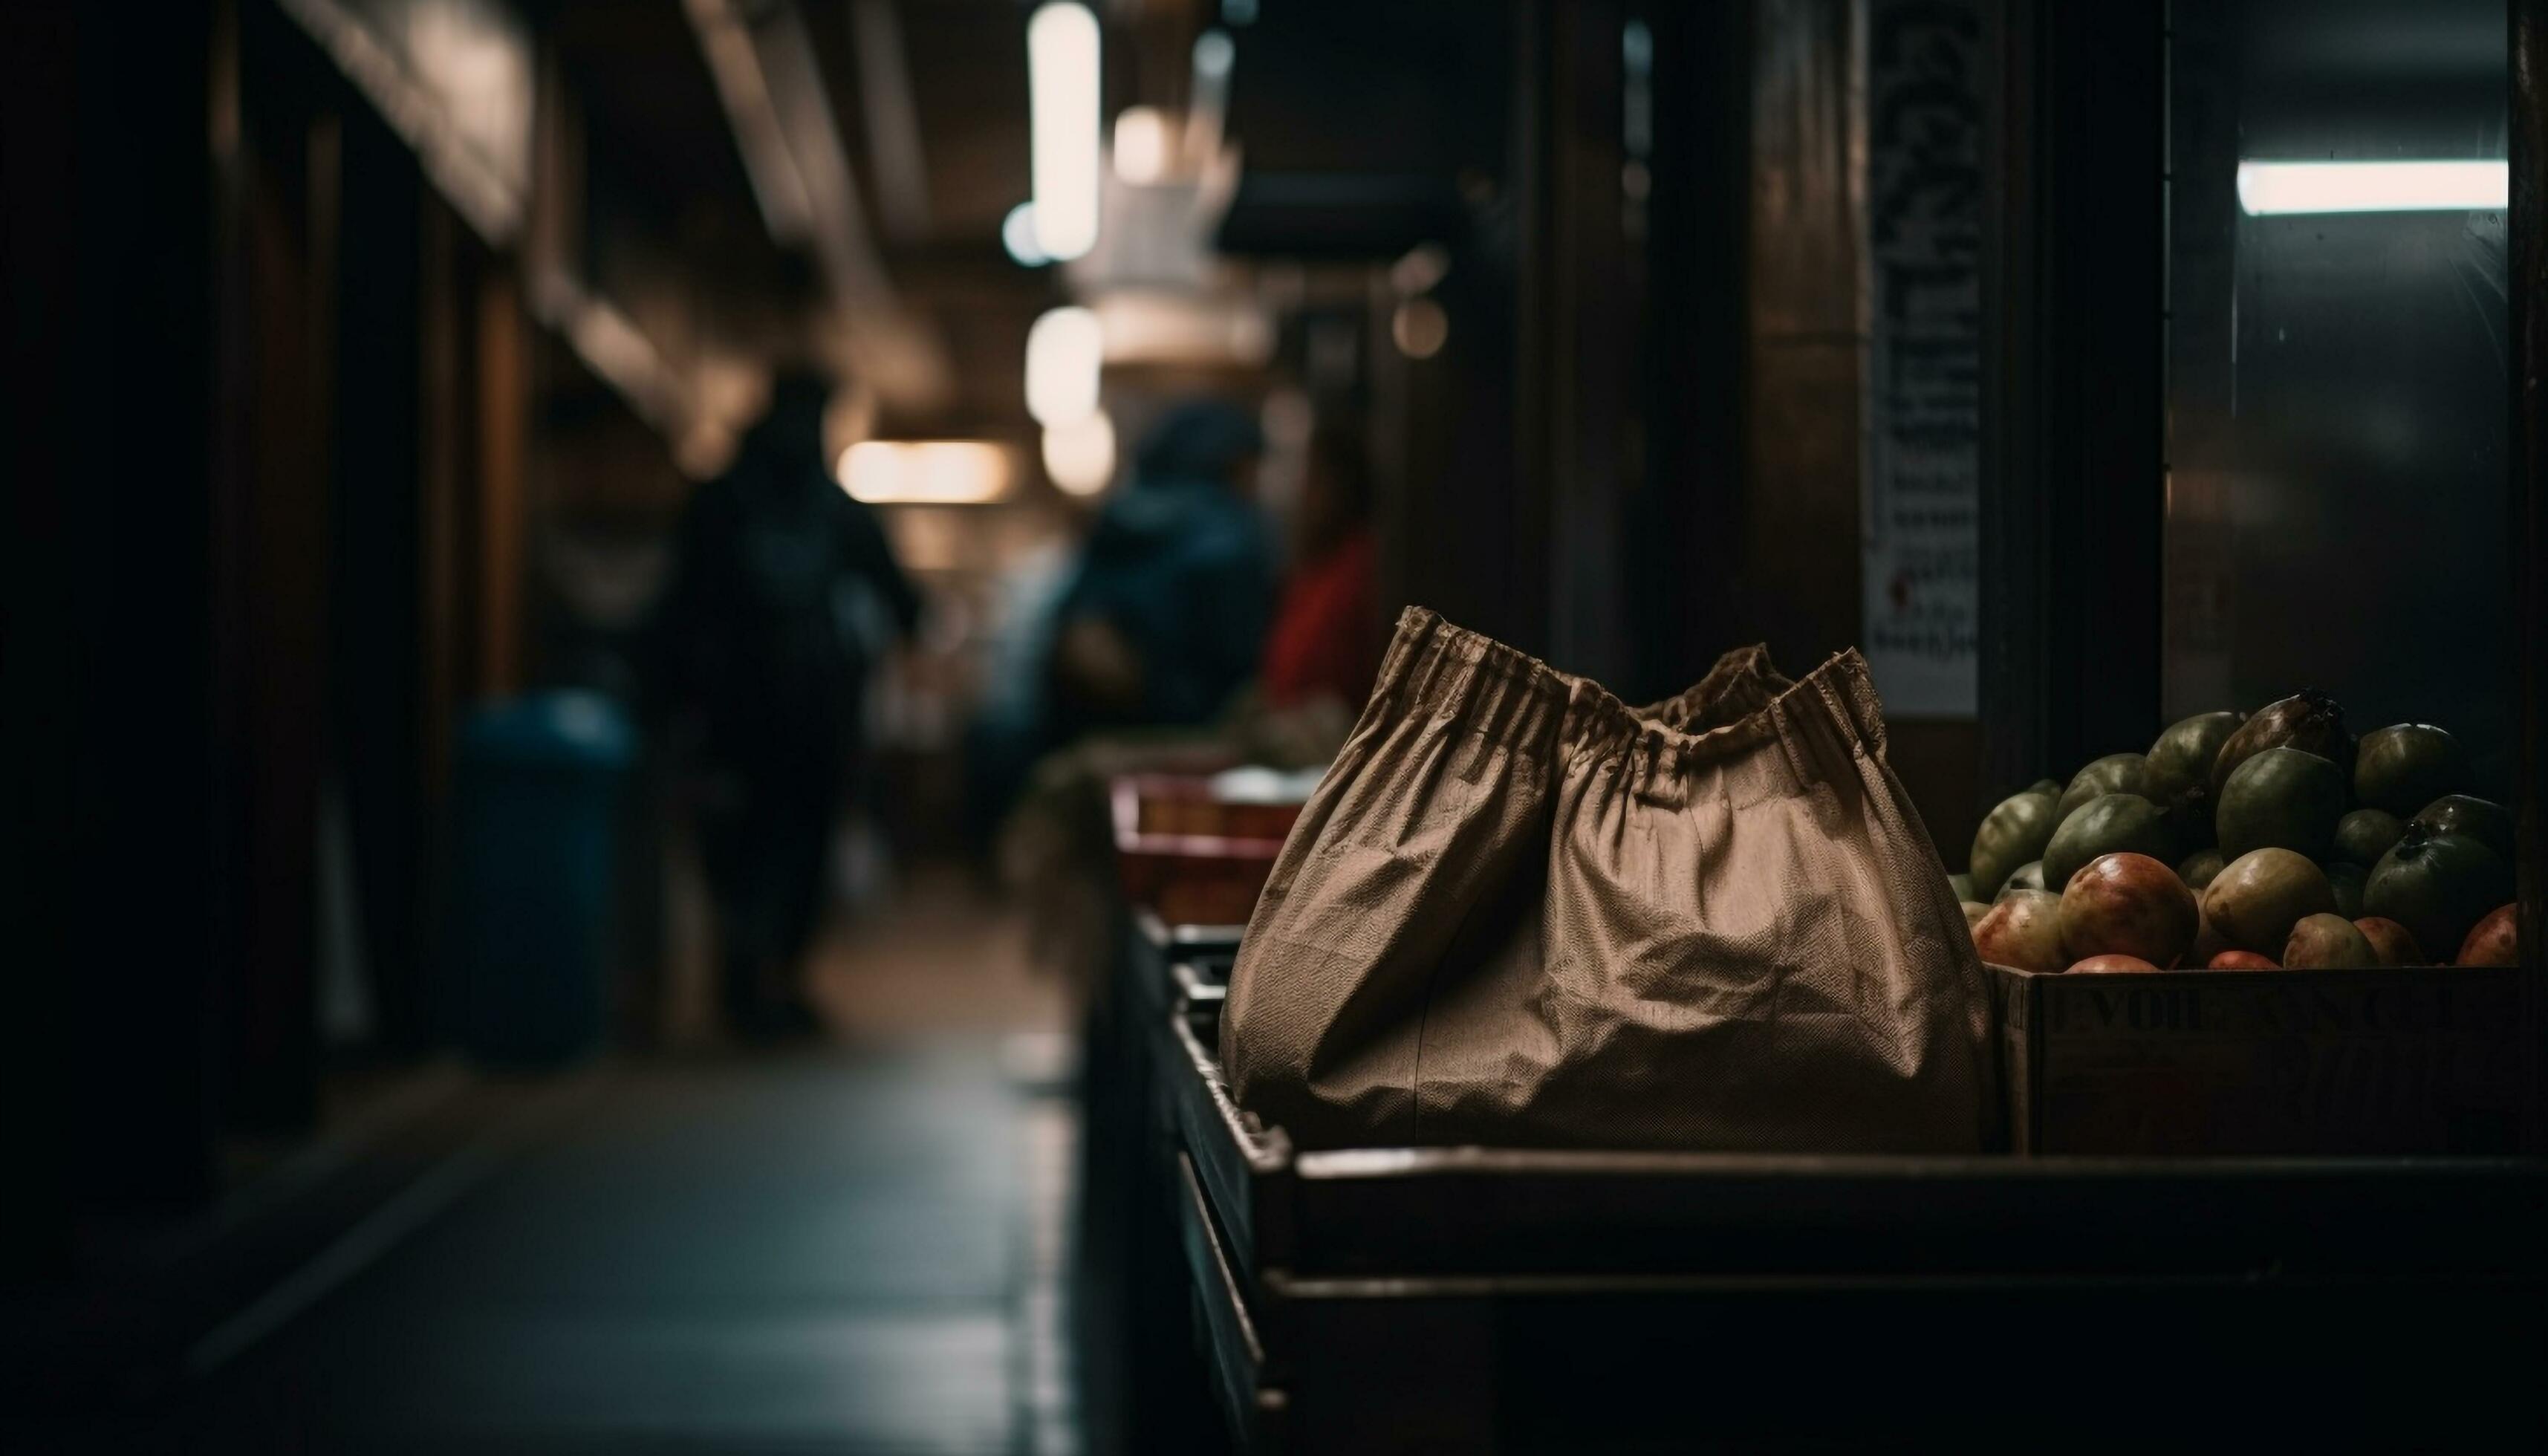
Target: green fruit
{"x": 2052, "y": 787}
{"x": 2108, "y": 824}
{"x": 2179, "y": 777}
{"x": 2012, "y": 834}
{"x": 2405, "y": 765}
{"x": 2437, "y": 886}
{"x": 2255, "y": 900}
{"x": 2310, "y": 721}
{"x": 1961, "y": 884}
{"x": 2484, "y": 820}
{"x": 2201, "y": 868}
{"x": 2281, "y": 798}
{"x": 2348, "y": 880}
{"x": 2365, "y": 835}
{"x": 2027, "y": 876}
{"x": 2113, "y": 773}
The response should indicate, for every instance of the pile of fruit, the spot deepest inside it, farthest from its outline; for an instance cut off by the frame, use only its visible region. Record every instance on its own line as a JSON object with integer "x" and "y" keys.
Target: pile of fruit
{"x": 2292, "y": 844}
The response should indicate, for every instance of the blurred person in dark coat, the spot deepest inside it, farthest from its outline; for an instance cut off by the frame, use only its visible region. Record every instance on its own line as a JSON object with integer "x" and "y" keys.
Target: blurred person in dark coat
{"x": 786, "y": 594}
{"x": 1165, "y": 617}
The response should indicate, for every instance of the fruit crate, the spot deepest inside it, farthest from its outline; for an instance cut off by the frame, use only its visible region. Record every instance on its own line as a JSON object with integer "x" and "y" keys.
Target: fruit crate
{"x": 2404, "y": 1060}
{"x": 1141, "y": 1378}
{"x": 1190, "y": 858}
{"x": 1166, "y": 962}
{"x": 1391, "y": 1299}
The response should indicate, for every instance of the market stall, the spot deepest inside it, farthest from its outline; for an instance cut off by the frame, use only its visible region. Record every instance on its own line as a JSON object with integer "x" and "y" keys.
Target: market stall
{"x": 2245, "y": 1008}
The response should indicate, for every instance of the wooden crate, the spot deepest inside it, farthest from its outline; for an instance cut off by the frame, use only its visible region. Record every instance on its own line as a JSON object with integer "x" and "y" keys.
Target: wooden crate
{"x": 2406, "y": 1060}
{"x": 1466, "y": 1299}
{"x": 1191, "y": 858}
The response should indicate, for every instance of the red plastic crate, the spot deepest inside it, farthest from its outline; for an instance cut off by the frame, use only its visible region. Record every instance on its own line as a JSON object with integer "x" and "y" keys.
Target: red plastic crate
{"x": 1190, "y": 857}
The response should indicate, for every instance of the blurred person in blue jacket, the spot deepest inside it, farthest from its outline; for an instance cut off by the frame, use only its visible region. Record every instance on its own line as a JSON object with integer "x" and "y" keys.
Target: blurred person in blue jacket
{"x": 785, "y": 596}
{"x": 1165, "y": 617}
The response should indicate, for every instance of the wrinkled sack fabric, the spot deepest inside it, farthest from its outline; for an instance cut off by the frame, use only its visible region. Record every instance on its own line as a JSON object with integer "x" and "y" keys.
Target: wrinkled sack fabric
{"x": 1519, "y": 913}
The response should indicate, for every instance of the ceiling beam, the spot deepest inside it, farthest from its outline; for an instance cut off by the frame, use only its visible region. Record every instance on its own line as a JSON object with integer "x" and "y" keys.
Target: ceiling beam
{"x": 894, "y": 156}
{"x": 771, "y": 90}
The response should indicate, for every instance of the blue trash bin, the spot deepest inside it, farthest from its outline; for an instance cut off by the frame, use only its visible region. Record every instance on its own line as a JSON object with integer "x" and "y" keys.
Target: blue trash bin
{"x": 538, "y": 796}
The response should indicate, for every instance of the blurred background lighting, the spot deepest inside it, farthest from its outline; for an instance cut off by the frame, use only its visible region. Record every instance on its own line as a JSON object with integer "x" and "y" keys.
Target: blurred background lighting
{"x": 1214, "y": 53}
{"x": 1140, "y": 146}
{"x": 1422, "y": 267}
{"x": 1420, "y": 329}
{"x": 2273, "y": 189}
{"x": 1080, "y": 458}
{"x": 925, "y": 472}
{"x": 1018, "y": 236}
{"x": 1062, "y": 77}
{"x": 1065, "y": 356}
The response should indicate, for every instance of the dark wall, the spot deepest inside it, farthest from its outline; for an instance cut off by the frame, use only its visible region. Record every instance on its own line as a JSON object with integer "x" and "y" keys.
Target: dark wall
{"x": 108, "y": 869}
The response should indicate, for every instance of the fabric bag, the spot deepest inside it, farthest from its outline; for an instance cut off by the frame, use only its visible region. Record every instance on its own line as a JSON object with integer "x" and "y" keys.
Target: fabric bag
{"x": 1519, "y": 913}
{"x": 1740, "y": 685}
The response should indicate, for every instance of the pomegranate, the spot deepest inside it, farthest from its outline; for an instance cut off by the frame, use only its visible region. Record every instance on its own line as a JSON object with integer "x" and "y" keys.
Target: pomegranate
{"x": 2113, "y": 963}
{"x": 2128, "y": 904}
{"x": 2243, "y": 961}
{"x": 2024, "y": 931}
{"x": 2390, "y": 940}
{"x": 2493, "y": 940}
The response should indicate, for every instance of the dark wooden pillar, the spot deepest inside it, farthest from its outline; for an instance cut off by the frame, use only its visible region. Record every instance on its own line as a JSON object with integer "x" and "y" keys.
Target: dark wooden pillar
{"x": 1684, "y": 515}
{"x": 2073, "y": 472}
{"x": 2529, "y": 514}
{"x": 108, "y": 869}
{"x": 1798, "y": 586}
{"x": 282, "y": 168}
{"x": 1578, "y": 357}
{"x": 376, "y": 656}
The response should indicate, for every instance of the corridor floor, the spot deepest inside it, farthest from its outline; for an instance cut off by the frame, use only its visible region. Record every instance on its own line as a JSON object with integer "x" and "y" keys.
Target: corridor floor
{"x": 851, "y": 1247}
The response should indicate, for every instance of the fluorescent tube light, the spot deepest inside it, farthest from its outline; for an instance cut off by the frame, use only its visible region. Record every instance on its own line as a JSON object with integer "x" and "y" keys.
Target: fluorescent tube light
{"x": 1062, "y": 75}
{"x": 925, "y": 472}
{"x": 2276, "y": 189}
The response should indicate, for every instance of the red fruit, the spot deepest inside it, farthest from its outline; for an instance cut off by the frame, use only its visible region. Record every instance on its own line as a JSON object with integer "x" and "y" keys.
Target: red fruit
{"x": 2493, "y": 940}
{"x": 2243, "y": 961}
{"x": 2113, "y": 963}
{"x": 2023, "y": 931}
{"x": 2396, "y": 945}
{"x": 2126, "y": 904}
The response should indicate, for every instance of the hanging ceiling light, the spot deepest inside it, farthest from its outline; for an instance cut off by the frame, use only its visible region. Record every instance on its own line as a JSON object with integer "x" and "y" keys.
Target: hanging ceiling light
{"x": 1141, "y": 145}
{"x": 1063, "y": 85}
{"x": 1080, "y": 458}
{"x": 1066, "y": 358}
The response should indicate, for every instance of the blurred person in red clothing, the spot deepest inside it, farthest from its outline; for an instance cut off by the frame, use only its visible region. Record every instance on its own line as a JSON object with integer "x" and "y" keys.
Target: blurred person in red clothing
{"x": 1325, "y": 638}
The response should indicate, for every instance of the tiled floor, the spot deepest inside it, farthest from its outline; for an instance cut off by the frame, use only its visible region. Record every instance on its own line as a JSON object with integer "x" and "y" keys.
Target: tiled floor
{"x": 853, "y": 1247}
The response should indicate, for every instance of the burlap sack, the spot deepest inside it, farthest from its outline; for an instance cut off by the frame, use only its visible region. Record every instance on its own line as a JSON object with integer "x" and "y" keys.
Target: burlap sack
{"x": 1740, "y": 685}
{"x": 1517, "y": 912}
